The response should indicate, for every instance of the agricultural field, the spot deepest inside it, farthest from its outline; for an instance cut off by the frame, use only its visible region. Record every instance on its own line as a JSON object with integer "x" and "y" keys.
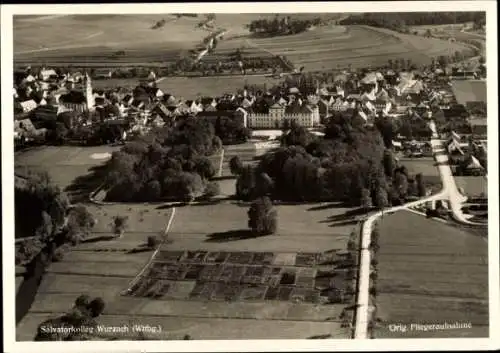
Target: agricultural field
{"x": 193, "y": 87}
{"x": 290, "y": 310}
{"x": 469, "y": 91}
{"x": 472, "y": 185}
{"x": 97, "y": 267}
{"x": 332, "y": 46}
{"x": 98, "y": 38}
{"x": 430, "y": 273}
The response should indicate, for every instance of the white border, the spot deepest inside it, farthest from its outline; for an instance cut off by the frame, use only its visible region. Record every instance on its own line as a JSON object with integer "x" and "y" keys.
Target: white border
{"x": 248, "y": 345}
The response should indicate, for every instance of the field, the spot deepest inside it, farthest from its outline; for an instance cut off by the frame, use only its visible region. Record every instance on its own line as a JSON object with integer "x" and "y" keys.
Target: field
{"x": 192, "y": 87}
{"x": 65, "y": 165}
{"x": 328, "y": 47}
{"x": 105, "y": 269}
{"x": 469, "y": 91}
{"x": 425, "y": 166}
{"x": 430, "y": 273}
{"x": 472, "y": 185}
{"x": 97, "y": 38}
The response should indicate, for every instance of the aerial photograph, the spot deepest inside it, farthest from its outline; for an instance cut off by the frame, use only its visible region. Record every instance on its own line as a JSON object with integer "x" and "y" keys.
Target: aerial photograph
{"x": 247, "y": 176}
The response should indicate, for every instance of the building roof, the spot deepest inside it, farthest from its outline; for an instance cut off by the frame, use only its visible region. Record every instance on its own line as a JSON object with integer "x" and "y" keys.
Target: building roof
{"x": 75, "y": 97}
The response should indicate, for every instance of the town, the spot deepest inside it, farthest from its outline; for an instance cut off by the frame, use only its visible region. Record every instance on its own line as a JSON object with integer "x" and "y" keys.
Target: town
{"x": 314, "y": 201}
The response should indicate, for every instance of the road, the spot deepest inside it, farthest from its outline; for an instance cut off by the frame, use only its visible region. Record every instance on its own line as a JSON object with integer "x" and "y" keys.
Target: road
{"x": 449, "y": 192}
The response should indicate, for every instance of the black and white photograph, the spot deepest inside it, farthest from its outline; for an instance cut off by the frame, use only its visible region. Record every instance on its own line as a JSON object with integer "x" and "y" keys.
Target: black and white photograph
{"x": 184, "y": 177}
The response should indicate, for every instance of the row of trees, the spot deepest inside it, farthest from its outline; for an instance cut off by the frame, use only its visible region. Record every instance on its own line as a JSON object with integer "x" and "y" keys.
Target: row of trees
{"x": 281, "y": 26}
{"x": 351, "y": 164}
{"x": 171, "y": 163}
{"x": 400, "y": 20}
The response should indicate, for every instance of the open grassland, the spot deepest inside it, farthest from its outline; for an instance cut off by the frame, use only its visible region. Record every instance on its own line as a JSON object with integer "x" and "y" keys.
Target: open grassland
{"x": 205, "y": 329}
{"x": 80, "y": 34}
{"x": 472, "y": 185}
{"x": 88, "y": 269}
{"x": 95, "y": 39}
{"x": 301, "y": 228}
{"x": 192, "y": 87}
{"x": 327, "y": 47}
{"x": 69, "y": 167}
{"x": 469, "y": 91}
{"x": 430, "y": 273}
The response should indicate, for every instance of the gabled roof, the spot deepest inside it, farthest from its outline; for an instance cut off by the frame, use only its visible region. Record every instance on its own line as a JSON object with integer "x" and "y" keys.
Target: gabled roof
{"x": 74, "y": 97}
{"x": 276, "y": 106}
{"x": 207, "y": 100}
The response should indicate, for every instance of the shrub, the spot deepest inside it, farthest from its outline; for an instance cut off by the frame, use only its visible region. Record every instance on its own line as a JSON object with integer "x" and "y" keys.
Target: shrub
{"x": 262, "y": 217}
{"x": 96, "y": 307}
{"x": 59, "y": 253}
{"x": 153, "y": 241}
{"x": 119, "y": 224}
{"x": 212, "y": 189}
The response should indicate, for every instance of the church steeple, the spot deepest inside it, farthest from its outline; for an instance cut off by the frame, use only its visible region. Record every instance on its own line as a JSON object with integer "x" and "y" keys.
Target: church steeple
{"x": 89, "y": 95}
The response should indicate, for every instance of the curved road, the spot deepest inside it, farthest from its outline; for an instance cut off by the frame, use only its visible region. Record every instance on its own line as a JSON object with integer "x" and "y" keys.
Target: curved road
{"x": 449, "y": 192}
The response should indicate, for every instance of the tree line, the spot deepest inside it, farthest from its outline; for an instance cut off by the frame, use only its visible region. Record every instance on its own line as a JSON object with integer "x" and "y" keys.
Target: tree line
{"x": 351, "y": 164}
{"x": 281, "y": 26}
{"x": 400, "y": 20}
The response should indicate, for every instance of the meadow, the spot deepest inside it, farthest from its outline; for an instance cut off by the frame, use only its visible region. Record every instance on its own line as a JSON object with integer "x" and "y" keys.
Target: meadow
{"x": 70, "y": 167}
{"x": 95, "y": 39}
{"x": 430, "y": 273}
{"x": 472, "y": 185}
{"x": 469, "y": 91}
{"x": 86, "y": 269}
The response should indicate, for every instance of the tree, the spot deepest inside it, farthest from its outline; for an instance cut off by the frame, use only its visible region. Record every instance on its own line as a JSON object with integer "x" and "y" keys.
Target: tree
{"x": 400, "y": 185}
{"x": 262, "y": 217}
{"x": 246, "y": 183}
{"x": 388, "y": 162}
{"x": 235, "y": 165}
{"x": 443, "y": 61}
{"x": 79, "y": 224}
{"x": 204, "y": 168}
{"x": 96, "y": 307}
{"x": 153, "y": 241}
{"x": 381, "y": 198}
{"x": 45, "y": 230}
{"x": 366, "y": 199}
{"x": 190, "y": 185}
{"x": 119, "y": 224}
{"x": 420, "y": 185}
{"x": 264, "y": 184}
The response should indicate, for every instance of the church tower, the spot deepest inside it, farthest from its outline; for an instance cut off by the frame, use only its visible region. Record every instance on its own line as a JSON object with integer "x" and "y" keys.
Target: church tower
{"x": 89, "y": 95}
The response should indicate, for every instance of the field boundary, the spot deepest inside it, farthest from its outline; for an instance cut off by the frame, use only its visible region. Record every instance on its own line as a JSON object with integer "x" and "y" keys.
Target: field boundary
{"x": 164, "y": 240}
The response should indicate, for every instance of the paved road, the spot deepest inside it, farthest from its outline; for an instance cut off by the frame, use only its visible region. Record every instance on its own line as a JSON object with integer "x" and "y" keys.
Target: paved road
{"x": 449, "y": 192}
